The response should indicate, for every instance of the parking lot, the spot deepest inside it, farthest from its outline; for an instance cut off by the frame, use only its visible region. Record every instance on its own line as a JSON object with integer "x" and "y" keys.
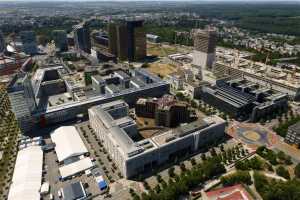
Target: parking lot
{"x": 51, "y": 175}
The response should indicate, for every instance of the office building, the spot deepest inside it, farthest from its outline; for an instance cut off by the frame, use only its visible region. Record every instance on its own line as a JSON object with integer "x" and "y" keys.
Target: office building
{"x": 53, "y": 95}
{"x": 204, "y": 48}
{"x": 127, "y": 40}
{"x": 28, "y": 39}
{"x": 166, "y": 111}
{"x": 243, "y": 99}
{"x": 60, "y": 39}
{"x": 2, "y": 43}
{"x": 134, "y": 155}
{"x": 275, "y": 78}
{"x": 293, "y": 134}
{"x": 82, "y": 38}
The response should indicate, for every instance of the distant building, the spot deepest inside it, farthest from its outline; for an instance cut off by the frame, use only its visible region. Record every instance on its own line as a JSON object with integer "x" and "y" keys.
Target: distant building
{"x": 204, "y": 48}
{"x": 2, "y": 43}
{"x": 166, "y": 111}
{"x": 100, "y": 38}
{"x": 133, "y": 155}
{"x": 60, "y": 39}
{"x": 127, "y": 40}
{"x": 153, "y": 38}
{"x": 82, "y": 38}
{"x": 102, "y": 55}
{"x": 293, "y": 134}
{"x": 29, "y": 42}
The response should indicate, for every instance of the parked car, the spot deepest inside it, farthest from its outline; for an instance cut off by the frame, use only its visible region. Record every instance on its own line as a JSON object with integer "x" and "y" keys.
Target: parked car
{"x": 59, "y": 194}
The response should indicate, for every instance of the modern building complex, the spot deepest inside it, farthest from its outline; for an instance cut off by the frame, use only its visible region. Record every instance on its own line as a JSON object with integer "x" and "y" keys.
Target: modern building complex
{"x": 243, "y": 99}
{"x": 127, "y": 40}
{"x": 53, "y": 95}
{"x": 29, "y": 42}
{"x": 60, "y": 39}
{"x": 82, "y": 38}
{"x": 283, "y": 80}
{"x": 27, "y": 177}
{"x": 166, "y": 111}
{"x": 204, "y": 48}
{"x": 134, "y": 156}
{"x": 293, "y": 134}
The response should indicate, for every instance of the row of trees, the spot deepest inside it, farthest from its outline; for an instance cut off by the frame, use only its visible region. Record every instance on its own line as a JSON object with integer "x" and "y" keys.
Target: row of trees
{"x": 181, "y": 184}
{"x": 9, "y": 131}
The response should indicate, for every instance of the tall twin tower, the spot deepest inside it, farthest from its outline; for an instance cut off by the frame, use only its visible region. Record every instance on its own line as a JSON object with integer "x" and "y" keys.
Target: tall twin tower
{"x": 127, "y": 39}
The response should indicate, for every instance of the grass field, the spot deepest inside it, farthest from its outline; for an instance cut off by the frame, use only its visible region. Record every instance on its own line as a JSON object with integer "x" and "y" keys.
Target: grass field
{"x": 161, "y": 70}
{"x": 160, "y": 50}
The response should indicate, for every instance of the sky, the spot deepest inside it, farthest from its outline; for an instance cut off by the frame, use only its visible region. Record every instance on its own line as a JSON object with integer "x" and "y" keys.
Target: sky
{"x": 158, "y": 0}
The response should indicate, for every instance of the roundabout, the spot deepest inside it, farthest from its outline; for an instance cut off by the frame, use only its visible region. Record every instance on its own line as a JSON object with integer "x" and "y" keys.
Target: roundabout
{"x": 253, "y": 135}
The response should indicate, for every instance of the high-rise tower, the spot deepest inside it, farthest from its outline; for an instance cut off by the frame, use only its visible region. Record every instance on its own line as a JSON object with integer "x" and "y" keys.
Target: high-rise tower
{"x": 127, "y": 40}
{"x": 82, "y": 38}
{"x": 204, "y": 48}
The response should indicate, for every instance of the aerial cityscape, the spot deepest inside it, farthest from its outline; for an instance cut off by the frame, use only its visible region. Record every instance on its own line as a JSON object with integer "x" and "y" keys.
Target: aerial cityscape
{"x": 142, "y": 100}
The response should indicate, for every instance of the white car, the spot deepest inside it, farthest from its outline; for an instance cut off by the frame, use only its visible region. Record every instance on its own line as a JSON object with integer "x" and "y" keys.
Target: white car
{"x": 59, "y": 193}
{"x": 51, "y": 197}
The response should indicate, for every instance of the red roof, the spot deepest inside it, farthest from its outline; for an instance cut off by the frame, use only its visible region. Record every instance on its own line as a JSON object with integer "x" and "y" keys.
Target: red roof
{"x": 236, "y": 192}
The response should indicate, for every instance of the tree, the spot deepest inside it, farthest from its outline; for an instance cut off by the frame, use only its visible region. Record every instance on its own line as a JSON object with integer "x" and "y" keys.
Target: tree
{"x": 145, "y": 65}
{"x": 297, "y": 170}
{"x": 203, "y": 156}
{"x": 273, "y": 189}
{"x": 281, "y": 171}
{"x": 241, "y": 165}
{"x": 179, "y": 95}
{"x": 237, "y": 177}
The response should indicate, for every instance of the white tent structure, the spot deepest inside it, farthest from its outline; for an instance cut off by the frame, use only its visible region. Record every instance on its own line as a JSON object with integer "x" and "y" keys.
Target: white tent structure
{"x": 68, "y": 143}
{"x": 27, "y": 177}
{"x": 75, "y": 167}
